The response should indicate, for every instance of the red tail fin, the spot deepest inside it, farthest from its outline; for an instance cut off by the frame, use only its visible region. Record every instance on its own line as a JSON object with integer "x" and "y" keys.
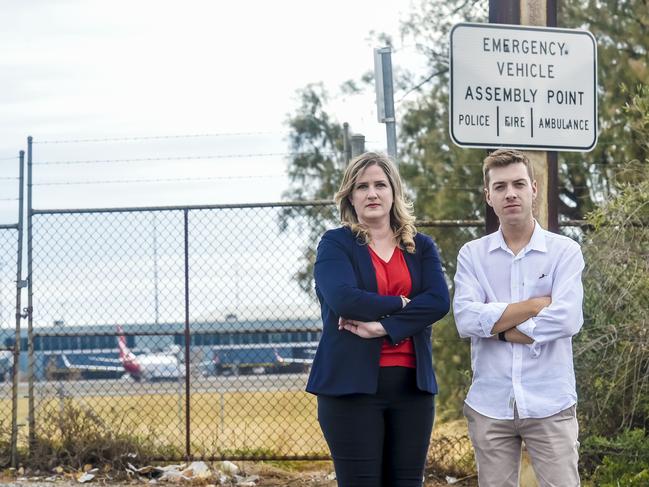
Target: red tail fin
{"x": 125, "y": 353}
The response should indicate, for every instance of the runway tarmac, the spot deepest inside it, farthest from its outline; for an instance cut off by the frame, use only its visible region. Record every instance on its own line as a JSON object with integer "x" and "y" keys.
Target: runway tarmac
{"x": 127, "y": 386}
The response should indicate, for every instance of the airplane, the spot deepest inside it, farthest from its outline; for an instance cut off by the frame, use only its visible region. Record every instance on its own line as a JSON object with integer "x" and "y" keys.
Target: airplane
{"x": 6, "y": 357}
{"x": 291, "y": 360}
{"x": 144, "y": 367}
{"x": 256, "y": 358}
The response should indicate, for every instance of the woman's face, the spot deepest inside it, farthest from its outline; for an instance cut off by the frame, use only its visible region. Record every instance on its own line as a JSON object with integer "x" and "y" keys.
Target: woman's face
{"x": 372, "y": 196}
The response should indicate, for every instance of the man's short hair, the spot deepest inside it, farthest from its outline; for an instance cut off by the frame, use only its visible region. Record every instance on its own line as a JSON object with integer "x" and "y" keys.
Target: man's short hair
{"x": 502, "y": 158}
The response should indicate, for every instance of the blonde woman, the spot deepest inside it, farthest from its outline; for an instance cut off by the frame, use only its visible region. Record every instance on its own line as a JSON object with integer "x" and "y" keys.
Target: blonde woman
{"x": 380, "y": 285}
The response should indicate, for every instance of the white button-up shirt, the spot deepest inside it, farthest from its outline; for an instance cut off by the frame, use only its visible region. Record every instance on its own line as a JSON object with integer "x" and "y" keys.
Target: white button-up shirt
{"x": 538, "y": 378}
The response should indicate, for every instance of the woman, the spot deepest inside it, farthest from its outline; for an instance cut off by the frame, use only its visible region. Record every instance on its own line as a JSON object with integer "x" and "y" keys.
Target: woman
{"x": 381, "y": 287}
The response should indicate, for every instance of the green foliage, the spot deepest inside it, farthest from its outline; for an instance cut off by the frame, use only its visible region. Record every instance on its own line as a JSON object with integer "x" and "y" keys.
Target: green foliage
{"x": 612, "y": 352}
{"x": 621, "y": 461}
{"x": 622, "y": 33}
{"x": 444, "y": 182}
{"x": 315, "y": 171}
{"x": 450, "y": 357}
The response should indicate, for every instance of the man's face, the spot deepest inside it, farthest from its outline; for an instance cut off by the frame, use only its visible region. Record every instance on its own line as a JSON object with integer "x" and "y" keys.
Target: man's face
{"x": 511, "y": 193}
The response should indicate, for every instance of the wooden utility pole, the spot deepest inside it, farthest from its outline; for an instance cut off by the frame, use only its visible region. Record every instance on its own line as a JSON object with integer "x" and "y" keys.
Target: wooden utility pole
{"x": 536, "y": 13}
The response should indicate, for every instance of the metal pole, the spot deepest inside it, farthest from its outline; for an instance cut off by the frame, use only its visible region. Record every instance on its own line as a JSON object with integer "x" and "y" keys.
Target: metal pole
{"x": 385, "y": 97}
{"x": 30, "y": 301}
{"x": 156, "y": 303}
{"x": 347, "y": 148}
{"x": 187, "y": 339}
{"x": 358, "y": 145}
{"x": 19, "y": 286}
{"x": 390, "y": 118}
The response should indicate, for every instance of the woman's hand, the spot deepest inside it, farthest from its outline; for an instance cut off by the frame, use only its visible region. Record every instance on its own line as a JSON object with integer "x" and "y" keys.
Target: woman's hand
{"x": 364, "y": 329}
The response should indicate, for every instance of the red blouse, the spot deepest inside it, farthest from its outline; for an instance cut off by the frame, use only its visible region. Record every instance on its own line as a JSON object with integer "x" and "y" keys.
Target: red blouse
{"x": 393, "y": 279}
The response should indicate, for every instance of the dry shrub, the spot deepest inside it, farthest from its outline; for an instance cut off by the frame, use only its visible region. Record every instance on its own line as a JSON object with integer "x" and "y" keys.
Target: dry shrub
{"x": 5, "y": 443}
{"x": 75, "y": 436}
{"x": 450, "y": 451}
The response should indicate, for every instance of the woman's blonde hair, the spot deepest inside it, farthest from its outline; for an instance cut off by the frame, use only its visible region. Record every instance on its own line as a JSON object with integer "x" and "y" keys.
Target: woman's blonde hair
{"x": 401, "y": 215}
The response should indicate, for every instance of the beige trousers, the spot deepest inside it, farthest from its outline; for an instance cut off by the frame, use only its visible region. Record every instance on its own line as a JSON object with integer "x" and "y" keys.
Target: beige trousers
{"x": 551, "y": 443}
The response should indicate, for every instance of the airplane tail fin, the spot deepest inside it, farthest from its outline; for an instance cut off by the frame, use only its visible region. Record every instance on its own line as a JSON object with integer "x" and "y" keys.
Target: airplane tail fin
{"x": 278, "y": 358}
{"x": 124, "y": 352}
{"x": 128, "y": 359}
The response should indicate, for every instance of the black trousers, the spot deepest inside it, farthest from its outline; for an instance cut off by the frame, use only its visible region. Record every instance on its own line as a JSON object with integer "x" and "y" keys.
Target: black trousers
{"x": 380, "y": 440}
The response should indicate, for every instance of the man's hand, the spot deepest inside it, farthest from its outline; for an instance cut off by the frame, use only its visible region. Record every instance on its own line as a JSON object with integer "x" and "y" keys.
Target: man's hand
{"x": 517, "y": 313}
{"x": 364, "y": 329}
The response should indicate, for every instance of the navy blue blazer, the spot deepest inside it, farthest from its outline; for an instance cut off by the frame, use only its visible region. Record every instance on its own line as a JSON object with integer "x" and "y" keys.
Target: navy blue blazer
{"x": 345, "y": 280}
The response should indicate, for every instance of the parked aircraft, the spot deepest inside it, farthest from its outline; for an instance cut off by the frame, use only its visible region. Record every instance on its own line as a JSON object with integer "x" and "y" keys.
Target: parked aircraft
{"x": 147, "y": 367}
{"x": 6, "y": 357}
{"x": 258, "y": 358}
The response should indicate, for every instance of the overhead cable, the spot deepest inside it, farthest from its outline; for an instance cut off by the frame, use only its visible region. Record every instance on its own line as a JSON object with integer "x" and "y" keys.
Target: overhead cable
{"x": 159, "y": 180}
{"x": 153, "y": 137}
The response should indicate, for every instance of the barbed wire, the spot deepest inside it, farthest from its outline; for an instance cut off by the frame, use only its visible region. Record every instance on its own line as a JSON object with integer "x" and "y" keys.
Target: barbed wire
{"x": 155, "y": 137}
{"x": 605, "y": 164}
{"x": 178, "y": 158}
{"x": 157, "y": 180}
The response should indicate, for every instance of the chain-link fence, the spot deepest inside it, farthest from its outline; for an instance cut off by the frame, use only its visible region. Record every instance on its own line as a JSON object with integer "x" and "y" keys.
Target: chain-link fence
{"x": 8, "y": 262}
{"x": 189, "y": 331}
{"x": 179, "y": 332}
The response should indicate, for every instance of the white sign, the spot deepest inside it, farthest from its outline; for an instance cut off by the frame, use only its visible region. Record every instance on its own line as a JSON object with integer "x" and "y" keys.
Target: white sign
{"x": 526, "y": 87}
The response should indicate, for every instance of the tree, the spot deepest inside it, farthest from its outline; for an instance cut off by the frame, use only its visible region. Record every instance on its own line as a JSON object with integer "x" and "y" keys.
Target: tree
{"x": 315, "y": 172}
{"x": 443, "y": 180}
{"x": 612, "y": 351}
{"x": 622, "y": 32}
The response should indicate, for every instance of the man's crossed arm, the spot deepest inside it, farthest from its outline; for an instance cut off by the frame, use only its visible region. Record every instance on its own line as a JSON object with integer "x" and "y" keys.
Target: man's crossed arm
{"x": 517, "y": 313}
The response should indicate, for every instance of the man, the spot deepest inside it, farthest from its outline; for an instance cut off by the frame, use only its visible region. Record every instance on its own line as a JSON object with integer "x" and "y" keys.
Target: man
{"x": 518, "y": 296}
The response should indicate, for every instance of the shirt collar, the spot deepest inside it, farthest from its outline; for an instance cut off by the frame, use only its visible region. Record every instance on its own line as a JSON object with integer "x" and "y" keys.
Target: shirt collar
{"x": 537, "y": 241}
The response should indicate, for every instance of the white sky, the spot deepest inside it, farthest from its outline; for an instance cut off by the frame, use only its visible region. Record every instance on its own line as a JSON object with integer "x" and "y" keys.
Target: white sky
{"x": 76, "y": 69}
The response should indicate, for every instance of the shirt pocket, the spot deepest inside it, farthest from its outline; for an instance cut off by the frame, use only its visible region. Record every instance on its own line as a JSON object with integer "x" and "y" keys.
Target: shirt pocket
{"x": 538, "y": 285}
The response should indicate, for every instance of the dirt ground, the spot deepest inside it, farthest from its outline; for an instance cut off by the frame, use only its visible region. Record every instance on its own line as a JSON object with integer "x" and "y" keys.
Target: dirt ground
{"x": 261, "y": 474}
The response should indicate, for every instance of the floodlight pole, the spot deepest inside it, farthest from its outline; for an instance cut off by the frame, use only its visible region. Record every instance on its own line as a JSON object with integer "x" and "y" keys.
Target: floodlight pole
{"x": 385, "y": 97}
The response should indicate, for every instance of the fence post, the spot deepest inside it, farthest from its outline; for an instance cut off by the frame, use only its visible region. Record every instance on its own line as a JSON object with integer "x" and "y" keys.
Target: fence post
{"x": 358, "y": 144}
{"x": 187, "y": 340}
{"x": 29, "y": 315}
{"x": 19, "y": 286}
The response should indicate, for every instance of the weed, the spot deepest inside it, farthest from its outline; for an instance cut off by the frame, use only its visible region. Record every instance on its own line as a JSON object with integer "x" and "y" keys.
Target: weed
{"x": 76, "y": 436}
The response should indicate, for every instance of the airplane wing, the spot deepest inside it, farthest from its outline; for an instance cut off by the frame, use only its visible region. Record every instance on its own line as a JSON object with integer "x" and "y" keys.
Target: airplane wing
{"x": 295, "y": 360}
{"x": 291, "y": 360}
{"x": 107, "y": 360}
{"x": 91, "y": 367}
